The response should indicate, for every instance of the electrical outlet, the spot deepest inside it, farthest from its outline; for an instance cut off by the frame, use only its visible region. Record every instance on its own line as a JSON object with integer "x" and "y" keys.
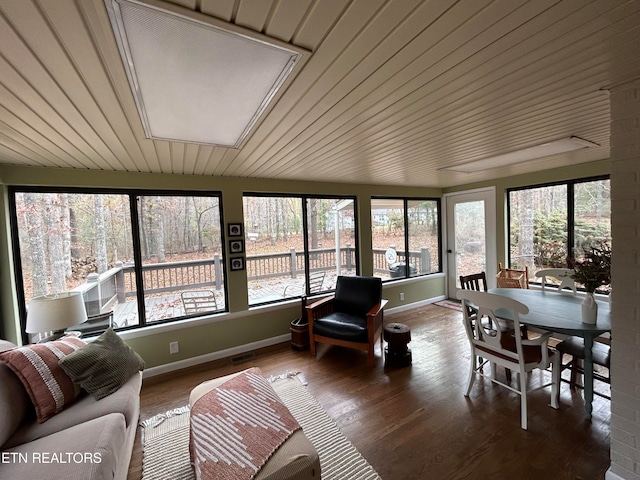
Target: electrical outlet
{"x": 401, "y": 296}
{"x": 173, "y": 347}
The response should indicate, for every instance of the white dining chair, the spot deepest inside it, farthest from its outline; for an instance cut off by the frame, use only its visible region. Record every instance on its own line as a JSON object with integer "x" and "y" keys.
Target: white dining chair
{"x": 563, "y": 275}
{"x": 520, "y": 355}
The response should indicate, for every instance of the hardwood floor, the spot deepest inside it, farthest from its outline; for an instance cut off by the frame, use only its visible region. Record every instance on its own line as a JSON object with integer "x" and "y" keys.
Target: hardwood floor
{"x": 415, "y": 422}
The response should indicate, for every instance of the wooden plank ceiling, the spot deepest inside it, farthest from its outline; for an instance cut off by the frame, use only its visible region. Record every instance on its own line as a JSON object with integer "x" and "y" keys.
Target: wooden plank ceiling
{"x": 392, "y": 92}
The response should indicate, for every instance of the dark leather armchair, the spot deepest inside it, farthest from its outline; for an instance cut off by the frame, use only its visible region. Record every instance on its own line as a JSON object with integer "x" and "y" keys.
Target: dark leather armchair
{"x": 351, "y": 318}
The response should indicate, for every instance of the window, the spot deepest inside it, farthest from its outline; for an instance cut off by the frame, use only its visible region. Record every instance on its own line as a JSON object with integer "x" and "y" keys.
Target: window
{"x": 405, "y": 232}
{"x": 297, "y": 246}
{"x": 88, "y": 242}
{"x": 548, "y": 224}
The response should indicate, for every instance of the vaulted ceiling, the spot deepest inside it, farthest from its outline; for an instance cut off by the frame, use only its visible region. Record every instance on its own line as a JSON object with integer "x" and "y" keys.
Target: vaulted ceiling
{"x": 392, "y": 92}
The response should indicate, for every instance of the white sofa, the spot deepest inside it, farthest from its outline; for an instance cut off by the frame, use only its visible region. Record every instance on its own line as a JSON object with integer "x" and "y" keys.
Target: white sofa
{"x": 89, "y": 439}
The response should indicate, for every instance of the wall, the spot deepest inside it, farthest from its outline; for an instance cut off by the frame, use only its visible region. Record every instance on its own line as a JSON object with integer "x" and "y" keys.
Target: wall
{"x": 223, "y": 334}
{"x": 226, "y": 334}
{"x": 625, "y": 308}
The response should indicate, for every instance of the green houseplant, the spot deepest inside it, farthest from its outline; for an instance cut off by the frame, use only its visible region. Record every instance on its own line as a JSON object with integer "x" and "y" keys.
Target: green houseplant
{"x": 592, "y": 272}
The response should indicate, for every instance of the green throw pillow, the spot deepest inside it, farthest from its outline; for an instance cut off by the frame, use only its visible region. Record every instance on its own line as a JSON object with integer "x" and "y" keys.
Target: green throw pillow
{"x": 102, "y": 366}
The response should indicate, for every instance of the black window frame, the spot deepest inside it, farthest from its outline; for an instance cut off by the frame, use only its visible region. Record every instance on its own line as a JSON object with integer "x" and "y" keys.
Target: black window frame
{"x": 405, "y": 204}
{"x": 305, "y": 235}
{"x": 133, "y": 195}
{"x": 570, "y": 184}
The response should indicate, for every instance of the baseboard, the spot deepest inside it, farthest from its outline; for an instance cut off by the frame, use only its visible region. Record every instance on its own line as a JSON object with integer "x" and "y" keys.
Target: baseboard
{"x": 409, "y": 306}
{"x": 209, "y": 357}
{"x": 609, "y": 475}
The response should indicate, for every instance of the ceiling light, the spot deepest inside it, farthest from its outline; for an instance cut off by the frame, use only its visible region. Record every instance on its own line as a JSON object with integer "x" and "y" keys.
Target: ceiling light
{"x": 539, "y": 151}
{"x": 194, "y": 78}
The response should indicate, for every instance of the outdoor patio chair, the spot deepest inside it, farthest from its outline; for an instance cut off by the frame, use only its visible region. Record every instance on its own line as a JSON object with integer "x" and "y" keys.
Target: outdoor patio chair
{"x": 351, "y": 318}
{"x": 316, "y": 281}
{"x": 198, "y": 301}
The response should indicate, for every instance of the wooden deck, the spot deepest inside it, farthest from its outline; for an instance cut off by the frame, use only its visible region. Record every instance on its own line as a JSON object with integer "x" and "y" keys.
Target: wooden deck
{"x": 160, "y": 307}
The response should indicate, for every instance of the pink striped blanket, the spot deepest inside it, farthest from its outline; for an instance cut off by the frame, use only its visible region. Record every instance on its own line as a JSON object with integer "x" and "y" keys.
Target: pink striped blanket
{"x": 236, "y": 427}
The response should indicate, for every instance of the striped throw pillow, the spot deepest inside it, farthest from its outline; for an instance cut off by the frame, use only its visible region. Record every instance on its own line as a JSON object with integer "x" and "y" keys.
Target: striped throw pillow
{"x": 38, "y": 367}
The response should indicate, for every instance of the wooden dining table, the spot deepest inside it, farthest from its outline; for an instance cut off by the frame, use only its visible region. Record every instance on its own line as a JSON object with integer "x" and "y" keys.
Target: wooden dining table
{"x": 561, "y": 313}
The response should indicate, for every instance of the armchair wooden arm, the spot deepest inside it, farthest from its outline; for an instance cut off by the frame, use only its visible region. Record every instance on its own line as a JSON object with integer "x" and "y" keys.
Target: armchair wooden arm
{"x": 375, "y": 322}
{"x": 320, "y": 308}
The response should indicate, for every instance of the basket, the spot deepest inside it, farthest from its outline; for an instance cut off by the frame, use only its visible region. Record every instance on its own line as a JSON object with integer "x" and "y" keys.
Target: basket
{"x": 300, "y": 328}
{"x": 300, "y": 334}
{"x": 509, "y": 278}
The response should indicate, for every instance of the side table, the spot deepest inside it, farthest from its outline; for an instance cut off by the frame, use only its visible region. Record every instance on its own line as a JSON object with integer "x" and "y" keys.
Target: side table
{"x": 397, "y": 336}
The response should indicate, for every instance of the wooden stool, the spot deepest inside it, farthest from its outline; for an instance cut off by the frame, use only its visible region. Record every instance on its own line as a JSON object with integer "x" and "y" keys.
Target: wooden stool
{"x": 397, "y": 336}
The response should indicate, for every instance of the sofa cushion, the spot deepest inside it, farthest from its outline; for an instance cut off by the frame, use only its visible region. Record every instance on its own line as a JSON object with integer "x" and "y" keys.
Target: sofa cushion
{"x": 13, "y": 398}
{"x": 125, "y": 401}
{"x": 38, "y": 368}
{"x": 104, "y": 365}
{"x": 342, "y": 326}
{"x": 89, "y": 450}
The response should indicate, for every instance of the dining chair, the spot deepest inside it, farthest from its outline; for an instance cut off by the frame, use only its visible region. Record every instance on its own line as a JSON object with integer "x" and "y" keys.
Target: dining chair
{"x": 511, "y": 351}
{"x": 474, "y": 281}
{"x": 574, "y": 347}
{"x": 512, "y": 278}
{"x": 563, "y": 275}
{"x": 478, "y": 283}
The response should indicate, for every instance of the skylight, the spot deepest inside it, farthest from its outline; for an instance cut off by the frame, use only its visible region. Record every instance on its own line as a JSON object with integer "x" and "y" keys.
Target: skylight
{"x": 196, "y": 79}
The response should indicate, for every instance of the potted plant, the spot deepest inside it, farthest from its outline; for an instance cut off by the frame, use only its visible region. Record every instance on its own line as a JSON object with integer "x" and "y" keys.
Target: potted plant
{"x": 592, "y": 272}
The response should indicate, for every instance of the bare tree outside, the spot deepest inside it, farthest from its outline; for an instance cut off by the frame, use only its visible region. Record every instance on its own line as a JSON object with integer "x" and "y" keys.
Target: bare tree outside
{"x": 84, "y": 242}
{"x": 276, "y": 249}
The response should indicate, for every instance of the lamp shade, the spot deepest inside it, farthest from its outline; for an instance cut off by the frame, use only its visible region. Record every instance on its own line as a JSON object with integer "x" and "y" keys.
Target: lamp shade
{"x": 55, "y": 312}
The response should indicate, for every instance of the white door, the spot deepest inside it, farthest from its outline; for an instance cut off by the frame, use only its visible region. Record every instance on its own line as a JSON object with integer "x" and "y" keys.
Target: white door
{"x": 470, "y": 242}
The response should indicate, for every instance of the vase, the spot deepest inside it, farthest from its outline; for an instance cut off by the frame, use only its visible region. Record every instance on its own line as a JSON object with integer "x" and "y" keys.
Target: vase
{"x": 589, "y": 309}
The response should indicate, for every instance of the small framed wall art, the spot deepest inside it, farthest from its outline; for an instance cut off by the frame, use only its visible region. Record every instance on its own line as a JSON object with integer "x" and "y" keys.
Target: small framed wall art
{"x": 234, "y": 229}
{"x": 237, "y": 263}
{"x": 236, "y": 246}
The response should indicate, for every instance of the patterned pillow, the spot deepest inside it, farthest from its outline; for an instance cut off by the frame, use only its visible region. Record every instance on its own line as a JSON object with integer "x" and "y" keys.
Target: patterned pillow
{"x": 104, "y": 365}
{"x": 38, "y": 367}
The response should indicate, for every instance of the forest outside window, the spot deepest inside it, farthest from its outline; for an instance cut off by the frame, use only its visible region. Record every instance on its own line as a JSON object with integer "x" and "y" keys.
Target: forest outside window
{"x": 551, "y": 223}
{"x": 297, "y": 246}
{"x": 132, "y": 255}
{"x": 405, "y": 237}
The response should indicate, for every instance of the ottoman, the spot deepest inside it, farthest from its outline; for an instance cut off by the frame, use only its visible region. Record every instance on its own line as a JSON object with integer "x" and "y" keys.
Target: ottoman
{"x": 295, "y": 459}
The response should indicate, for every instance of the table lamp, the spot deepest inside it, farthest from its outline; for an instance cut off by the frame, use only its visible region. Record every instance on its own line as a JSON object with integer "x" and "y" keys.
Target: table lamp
{"x": 55, "y": 313}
